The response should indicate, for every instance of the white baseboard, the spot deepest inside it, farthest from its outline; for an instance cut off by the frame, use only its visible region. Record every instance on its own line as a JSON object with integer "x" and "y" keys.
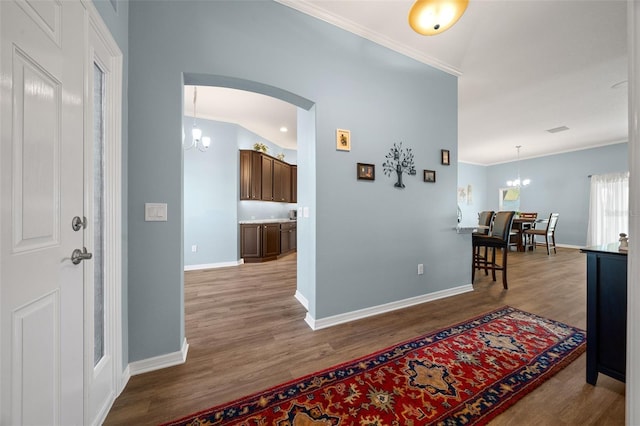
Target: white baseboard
{"x": 565, "y": 246}
{"x": 159, "y": 362}
{"x": 381, "y": 309}
{"x": 124, "y": 379}
{"x": 212, "y": 265}
{"x": 303, "y": 300}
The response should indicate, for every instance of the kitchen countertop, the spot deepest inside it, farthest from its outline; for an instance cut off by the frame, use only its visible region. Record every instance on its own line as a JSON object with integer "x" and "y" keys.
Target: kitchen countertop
{"x": 276, "y": 220}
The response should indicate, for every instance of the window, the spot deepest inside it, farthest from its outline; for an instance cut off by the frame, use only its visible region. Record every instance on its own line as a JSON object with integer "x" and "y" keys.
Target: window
{"x": 608, "y": 208}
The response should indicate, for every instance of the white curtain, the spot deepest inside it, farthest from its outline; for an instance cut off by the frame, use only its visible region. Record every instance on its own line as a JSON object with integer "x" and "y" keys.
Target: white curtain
{"x": 608, "y": 208}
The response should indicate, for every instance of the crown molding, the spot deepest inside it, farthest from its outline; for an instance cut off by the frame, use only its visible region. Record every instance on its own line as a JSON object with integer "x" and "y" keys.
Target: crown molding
{"x": 314, "y": 11}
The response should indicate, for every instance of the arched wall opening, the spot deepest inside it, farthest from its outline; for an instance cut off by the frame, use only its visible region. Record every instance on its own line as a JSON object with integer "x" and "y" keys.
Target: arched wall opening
{"x": 306, "y": 137}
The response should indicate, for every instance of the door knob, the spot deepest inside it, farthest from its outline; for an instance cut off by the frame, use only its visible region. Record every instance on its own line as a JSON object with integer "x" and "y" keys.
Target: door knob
{"x": 77, "y": 223}
{"x": 78, "y": 255}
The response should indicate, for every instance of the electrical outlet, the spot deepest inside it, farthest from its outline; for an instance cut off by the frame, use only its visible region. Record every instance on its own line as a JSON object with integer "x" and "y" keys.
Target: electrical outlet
{"x": 194, "y": 248}
{"x": 420, "y": 268}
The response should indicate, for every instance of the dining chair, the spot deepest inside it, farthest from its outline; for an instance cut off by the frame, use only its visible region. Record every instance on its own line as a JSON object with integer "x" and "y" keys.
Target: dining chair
{"x": 549, "y": 233}
{"x": 533, "y": 217}
{"x": 497, "y": 239}
{"x": 485, "y": 218}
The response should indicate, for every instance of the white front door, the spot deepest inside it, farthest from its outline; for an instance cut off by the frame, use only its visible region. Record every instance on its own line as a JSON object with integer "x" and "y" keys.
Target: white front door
{"x": 42, "y": 51}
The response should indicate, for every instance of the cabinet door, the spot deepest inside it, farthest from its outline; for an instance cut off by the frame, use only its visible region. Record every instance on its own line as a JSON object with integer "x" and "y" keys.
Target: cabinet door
{"x": 285, "y": 181}
{"x": 270, "y": 240}
{"x": 284, "y": 240}
{"x": 250, "y": 241}
{"x": 293, "y": 238}
{"x": 281, "y": 182}
{"x": 245, "y": 175}
{"x": 267, "y": 177}
{"x": 256, "y": 176}
{"x": 294, "y": 184}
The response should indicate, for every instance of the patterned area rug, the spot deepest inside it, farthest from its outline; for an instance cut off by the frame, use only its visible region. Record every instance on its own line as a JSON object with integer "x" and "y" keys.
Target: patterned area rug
{"x": 462, "y": 375}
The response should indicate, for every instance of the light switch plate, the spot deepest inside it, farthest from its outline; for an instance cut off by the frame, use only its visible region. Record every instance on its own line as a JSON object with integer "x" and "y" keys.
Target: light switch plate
{"x": 155, "y": 212}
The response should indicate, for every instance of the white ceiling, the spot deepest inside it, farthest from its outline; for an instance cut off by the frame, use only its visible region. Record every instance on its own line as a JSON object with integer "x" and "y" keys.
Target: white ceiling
{"x": 263, "y": 115}
{"x": 524, "y": 66}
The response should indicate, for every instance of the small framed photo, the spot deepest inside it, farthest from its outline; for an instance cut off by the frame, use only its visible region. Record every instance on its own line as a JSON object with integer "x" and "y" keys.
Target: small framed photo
{"x": 366, "y": 171}
{"x": 444, "y": 157}
{"x": 343, "y": 140}
{"x": 429, "y": 175}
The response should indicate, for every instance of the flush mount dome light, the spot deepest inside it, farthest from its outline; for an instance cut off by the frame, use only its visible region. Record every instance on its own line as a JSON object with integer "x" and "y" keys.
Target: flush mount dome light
{"x": 431, "y": 17}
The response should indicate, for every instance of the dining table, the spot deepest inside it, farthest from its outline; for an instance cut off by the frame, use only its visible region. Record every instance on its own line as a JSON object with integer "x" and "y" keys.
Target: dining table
{"x": 521, "y": 224}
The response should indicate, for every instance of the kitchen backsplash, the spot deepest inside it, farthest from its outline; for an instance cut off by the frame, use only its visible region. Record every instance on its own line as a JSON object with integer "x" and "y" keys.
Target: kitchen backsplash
{"x": 250, "y": 210}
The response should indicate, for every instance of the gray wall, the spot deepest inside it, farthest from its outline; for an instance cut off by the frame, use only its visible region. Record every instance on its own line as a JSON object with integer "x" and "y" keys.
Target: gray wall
{"x": 117, "y": 20}
{"x": 474, "y": 177}
{"x": 211, "y": 196}
{"x": 559, "y": 183}
{"x": 368, "y": 237}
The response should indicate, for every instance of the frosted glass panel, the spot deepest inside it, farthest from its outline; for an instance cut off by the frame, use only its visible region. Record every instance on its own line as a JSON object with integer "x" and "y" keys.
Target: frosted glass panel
{"x": 98, "y": 213}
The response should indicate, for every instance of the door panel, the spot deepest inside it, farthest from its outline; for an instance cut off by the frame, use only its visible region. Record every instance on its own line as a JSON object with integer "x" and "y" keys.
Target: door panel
{"x": 35, "y": 331}
{"x": 41, "y": 190}
{"x": 36, "y": 172}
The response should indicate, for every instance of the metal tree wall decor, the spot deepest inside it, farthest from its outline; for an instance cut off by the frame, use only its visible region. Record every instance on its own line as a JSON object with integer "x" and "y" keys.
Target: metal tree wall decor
{"x": 400, "y": 161}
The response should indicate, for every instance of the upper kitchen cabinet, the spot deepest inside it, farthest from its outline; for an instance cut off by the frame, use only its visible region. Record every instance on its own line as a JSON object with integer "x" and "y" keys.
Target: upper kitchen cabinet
{"x": 250, "y": 175}
{"x": 294, "y": 184}
{"x": 265, "y": 178}
{"x": 281, "y": 182}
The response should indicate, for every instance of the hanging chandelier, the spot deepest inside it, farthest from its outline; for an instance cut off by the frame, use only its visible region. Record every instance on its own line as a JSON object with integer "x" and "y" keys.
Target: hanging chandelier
{"x": 431, "y": 17}
{"x": 197, "y": 140}
{"x": 517, "y": 183}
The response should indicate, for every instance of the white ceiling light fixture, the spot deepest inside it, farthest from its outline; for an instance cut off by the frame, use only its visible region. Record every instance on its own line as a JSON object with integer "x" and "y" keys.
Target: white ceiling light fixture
{"x": 431, "y": 17}
{"x": 197, "y": 140}
{"x": 517, "y": 183}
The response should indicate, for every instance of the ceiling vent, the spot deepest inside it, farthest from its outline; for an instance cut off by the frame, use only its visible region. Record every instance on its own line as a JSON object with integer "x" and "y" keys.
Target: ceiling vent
{"x": 558, "y": 129}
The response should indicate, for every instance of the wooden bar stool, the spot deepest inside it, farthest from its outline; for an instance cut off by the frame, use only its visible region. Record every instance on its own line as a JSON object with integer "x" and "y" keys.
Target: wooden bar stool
{"x": 485, "y": 219}
{"x": 498, "y": 239}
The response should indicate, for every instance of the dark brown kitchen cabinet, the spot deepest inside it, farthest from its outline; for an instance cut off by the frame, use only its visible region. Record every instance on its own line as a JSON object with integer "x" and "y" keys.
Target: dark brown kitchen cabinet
{"x": 251, "y": 242}
{"x": 288, "y": 237}
{"x": 281, "y": 182}
{"x": 259, "y": 241}
{"x": 294, "y": 184}
{"x": 270, "y": 241}
{"x": 250, "y": 175}
{"x": 265, "y": 178}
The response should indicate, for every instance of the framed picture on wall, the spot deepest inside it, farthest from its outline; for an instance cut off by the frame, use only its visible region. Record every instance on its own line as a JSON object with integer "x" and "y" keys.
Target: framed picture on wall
{"x": 366, "y": 171}
{"x": 429, "y": 175}
{"x": 343, "y": 140}
{"x": 444, "y": 157}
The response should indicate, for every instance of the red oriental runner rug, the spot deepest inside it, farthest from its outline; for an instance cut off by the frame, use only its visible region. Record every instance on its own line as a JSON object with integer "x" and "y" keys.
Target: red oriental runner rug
{"x": 461, "y": 375}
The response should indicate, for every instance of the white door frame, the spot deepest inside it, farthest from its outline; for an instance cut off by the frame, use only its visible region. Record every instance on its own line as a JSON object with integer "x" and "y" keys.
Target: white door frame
{"x": 103, "y": 49}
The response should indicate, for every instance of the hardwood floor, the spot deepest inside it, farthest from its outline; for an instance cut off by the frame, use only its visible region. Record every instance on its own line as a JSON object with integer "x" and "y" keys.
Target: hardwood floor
{"x": 246, "y": 333}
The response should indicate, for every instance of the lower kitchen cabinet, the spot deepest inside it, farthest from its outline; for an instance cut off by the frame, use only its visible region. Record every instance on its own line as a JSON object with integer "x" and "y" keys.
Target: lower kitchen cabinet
{"x": 260, "y": 242}
{"x": 250, "y": 242}
{"x": 288, "y": 237}
{"x": 270, "y": 241}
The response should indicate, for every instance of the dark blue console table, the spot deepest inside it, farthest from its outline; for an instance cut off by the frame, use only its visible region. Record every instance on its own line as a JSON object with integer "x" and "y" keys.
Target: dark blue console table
{"x": 606, "y": 312}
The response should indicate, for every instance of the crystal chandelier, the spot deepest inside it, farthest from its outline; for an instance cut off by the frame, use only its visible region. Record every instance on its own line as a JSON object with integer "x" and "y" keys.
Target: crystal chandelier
{"x": 197, "y": 140}
{"x": 517, "y": 183}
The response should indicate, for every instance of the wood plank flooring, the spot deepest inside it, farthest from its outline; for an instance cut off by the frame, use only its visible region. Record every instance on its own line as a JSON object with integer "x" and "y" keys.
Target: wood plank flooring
{"x": 246, "y": 333}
